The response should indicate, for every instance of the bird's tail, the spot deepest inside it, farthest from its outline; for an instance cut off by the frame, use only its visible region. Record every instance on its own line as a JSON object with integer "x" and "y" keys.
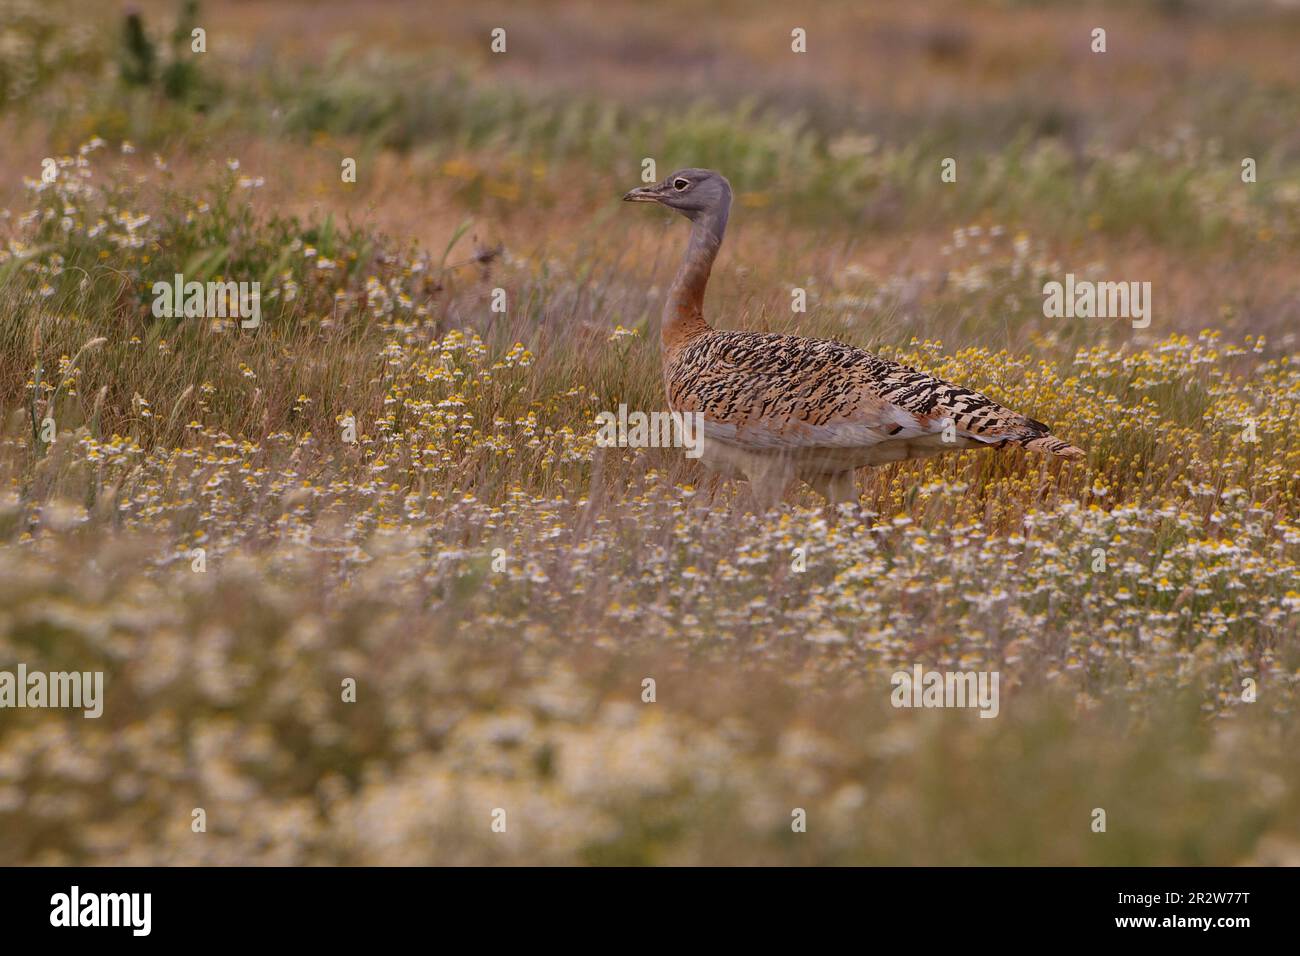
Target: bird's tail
{"x": 1038, "y": 437}
{"x": 1051, "y": 445}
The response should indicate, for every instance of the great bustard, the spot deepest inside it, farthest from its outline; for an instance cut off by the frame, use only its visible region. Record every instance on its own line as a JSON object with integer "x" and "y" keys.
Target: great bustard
{"x": 779, "y": 407}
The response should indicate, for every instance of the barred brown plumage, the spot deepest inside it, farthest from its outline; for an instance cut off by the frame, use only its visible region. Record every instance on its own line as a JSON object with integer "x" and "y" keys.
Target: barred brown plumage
{"x": 776, "y": 407}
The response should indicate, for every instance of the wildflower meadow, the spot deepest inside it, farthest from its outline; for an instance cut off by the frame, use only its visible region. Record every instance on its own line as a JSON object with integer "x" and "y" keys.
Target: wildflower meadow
{"x": 361, "y": 580}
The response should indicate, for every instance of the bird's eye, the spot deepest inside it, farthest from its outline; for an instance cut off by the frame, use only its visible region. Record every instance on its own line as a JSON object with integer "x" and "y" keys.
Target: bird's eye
{"x": 680, "y": 184}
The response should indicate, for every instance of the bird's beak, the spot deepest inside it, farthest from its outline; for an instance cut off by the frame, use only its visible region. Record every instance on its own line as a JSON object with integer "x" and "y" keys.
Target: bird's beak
{"x": 643, "y": 194}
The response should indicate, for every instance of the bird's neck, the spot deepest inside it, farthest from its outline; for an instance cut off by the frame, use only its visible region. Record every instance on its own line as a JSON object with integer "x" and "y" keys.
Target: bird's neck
{"x": 683, "y": 317}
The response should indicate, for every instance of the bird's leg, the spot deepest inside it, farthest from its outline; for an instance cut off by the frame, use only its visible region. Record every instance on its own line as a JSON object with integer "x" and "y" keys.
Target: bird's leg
{"x": 767, "y": 485}
{"x": 837, "y": 487}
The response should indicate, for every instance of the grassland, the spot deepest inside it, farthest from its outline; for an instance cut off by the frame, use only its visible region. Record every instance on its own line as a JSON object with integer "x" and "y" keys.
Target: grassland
{"x": 1124, "y": 600}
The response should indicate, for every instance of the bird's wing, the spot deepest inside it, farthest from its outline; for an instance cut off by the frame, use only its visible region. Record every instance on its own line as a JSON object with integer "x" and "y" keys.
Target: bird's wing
{"x": 778, "y": 392}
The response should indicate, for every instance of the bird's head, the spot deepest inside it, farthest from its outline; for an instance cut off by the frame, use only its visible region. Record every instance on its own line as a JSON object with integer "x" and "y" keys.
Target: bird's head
{"x": 692, "y": 192}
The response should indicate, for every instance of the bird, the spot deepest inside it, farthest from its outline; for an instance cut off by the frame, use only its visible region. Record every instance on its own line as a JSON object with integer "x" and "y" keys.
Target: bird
{"x": 777, "y": 407}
